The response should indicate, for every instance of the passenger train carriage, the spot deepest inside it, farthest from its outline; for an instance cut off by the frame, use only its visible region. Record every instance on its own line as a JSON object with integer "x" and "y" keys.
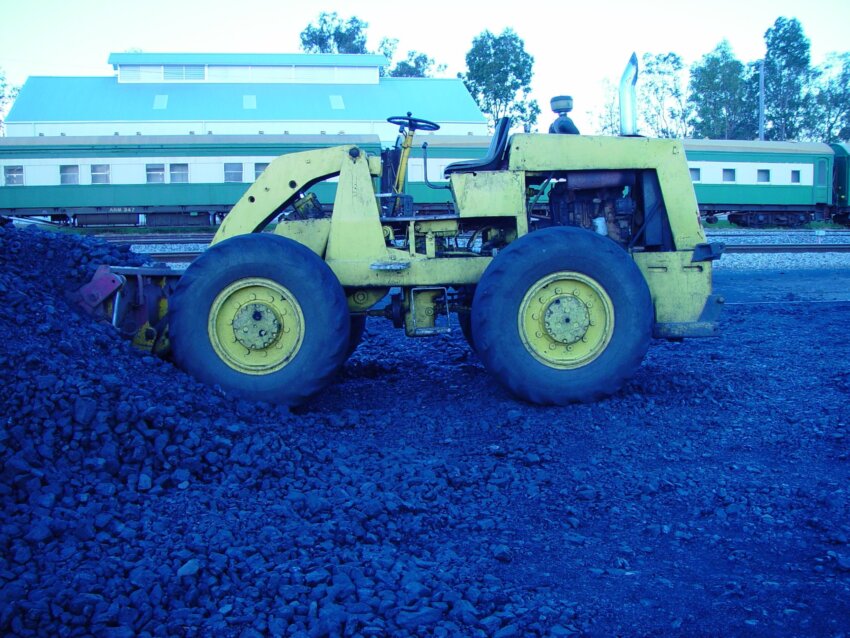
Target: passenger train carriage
{"x": 194, "y": 180}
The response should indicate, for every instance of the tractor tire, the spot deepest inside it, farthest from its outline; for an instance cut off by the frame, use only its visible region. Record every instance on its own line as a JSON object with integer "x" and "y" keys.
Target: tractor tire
{"x": 562, "y": 315}
{"x": 261, "y": 316}
{"x": 464, "y": 319}
{"x": 357, "y": 327}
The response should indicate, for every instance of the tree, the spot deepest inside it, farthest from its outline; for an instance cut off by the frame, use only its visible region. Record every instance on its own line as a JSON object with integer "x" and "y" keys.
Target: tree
{"x": 498, "y": 76}
{"x": 7, "y": 96}
{"x": 332, "y": 34}
{"x": 787, "y": 79}
{"x": 417, "y": 65}
{"x": 608, "y": 119}
{"x": 830, "y": 121}
{"x": 718, "y": 97}
{"x": 663, "y": 102}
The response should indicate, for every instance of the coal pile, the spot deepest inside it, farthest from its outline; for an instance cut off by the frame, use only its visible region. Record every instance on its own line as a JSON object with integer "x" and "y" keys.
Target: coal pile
{"x": 413, "y": 497}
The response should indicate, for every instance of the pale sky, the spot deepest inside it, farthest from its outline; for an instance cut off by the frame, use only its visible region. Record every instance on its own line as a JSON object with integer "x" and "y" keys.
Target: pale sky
{"x": 575, "y": 45}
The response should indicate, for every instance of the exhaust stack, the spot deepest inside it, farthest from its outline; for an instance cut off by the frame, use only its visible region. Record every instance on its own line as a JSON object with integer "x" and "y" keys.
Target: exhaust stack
{"x": 628, "y": 99}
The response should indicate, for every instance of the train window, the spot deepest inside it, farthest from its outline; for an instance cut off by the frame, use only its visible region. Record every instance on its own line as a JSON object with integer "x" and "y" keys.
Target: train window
{"x": 100, "y": 173}
{"x": 795, "y": 176}
{"x": 13, "y": 175}
{"x": 155, "y": 173}
{"x": 763, "y": 175}
{"x": 69, "y": 174}
{"x": 179, "y": 173}
{"x": 695, "y": 175}
{"x": 232, "y": 172}
{"x": 728, "y": 174}
{"x": 259, "y": 167}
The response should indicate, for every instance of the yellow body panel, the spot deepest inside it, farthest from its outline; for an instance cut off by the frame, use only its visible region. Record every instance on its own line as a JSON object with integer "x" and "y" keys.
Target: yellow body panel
{"x": 678, "y": 287}
{"x": 313, "y": 233}
{"x": 489, "y": 193}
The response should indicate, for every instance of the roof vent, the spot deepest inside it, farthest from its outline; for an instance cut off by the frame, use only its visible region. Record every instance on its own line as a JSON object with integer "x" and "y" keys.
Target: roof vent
{"x": 160, "y": 102}
{"x": 249, "y": 102}
{"x": 337, "y": 103}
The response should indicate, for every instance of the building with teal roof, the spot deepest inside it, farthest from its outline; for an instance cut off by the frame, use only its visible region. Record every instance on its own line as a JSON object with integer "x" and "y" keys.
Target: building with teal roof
{"x": 239, "y": 94}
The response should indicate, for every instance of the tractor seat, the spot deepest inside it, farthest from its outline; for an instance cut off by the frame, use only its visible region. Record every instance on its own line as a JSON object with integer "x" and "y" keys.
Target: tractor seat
{"x": 493, "y": 160}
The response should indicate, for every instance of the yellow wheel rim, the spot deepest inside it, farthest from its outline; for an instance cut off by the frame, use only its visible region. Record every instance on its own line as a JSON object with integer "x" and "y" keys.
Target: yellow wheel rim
{"x": 566, "y": 320}
{"x": 256, "y": 326}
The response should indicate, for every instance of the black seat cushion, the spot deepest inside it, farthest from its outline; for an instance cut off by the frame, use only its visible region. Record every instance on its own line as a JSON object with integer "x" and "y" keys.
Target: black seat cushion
{"x": 493, "y": 160}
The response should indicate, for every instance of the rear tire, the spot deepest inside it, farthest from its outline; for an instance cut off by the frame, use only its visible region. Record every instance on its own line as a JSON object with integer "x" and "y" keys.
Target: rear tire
{"x": 562, "y": 315}
{"x": 260, "y": 316}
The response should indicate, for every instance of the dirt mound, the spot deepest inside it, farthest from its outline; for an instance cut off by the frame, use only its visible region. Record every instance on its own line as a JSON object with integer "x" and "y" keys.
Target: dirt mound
{"x": 413, "y": 497}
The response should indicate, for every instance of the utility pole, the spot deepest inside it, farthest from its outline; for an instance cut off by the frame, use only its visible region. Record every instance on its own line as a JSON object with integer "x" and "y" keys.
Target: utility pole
{"x": 761, "y": 101}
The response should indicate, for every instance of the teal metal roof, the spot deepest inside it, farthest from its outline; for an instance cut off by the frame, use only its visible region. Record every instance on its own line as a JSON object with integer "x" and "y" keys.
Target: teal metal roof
{"x": 249, "y": 59}
{"x": 104, "y": 99}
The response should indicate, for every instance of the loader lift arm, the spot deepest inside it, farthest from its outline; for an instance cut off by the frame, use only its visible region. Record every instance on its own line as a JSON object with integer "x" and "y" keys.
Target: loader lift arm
{"x": 281, "y": 183}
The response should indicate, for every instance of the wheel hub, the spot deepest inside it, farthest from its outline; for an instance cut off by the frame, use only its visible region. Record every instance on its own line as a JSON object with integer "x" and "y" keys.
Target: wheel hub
{"x": 566, "y": 319}
{"x": 256, "y": 326}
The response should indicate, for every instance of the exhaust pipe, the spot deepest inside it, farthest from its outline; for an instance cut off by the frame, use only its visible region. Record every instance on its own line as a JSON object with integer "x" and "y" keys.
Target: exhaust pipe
{"x": 628, "y": 99}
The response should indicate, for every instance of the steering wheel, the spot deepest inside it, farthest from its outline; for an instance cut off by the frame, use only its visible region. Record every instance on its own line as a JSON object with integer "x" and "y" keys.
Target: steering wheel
{"x": 413, "y": 123}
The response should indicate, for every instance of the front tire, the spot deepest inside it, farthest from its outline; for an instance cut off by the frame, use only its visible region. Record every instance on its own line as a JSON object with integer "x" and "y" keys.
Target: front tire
{"x": 262, "y": 317}
{"x": 562, "y": 315}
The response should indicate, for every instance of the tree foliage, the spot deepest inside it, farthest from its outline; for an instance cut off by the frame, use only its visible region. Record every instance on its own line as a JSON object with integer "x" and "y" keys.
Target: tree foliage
{"x": 332, "y": 34}
{"x": 7, "y": 96}
{"x": 787, "y": 80}
{"x": 498, "y": 76}
{"x": 831, "y": 100}
{"x": 608, "y": 118}
{"x": 416, "y": 65}
{"x": 663, "y": 100}
{"x": 719, "y": 97}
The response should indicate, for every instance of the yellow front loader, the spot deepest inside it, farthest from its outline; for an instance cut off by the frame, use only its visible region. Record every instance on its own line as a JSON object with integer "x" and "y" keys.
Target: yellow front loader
{"x": 564, "y": 255}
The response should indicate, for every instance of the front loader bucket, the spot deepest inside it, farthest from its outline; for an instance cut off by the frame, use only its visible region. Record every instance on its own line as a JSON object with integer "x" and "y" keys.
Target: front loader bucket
{"x": 133, "y": 300}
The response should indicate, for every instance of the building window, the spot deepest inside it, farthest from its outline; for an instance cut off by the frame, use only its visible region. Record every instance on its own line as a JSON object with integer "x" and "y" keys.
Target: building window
{"x": 695, "y": 174}
{"x": 728, "y": 174}
{"x": 763, "y": 176}
{"x": 13, "y": 175}
{"x": 178, "y": 72}
{"x": 100, "y": 173}
{"x": 69, "y": 174}
{"x": 259, "y": 167}
{"x": 155, "y": 173}
{"x": 232, "y": 172}
{"x": 179, "y": 173}
{"x": 795, "y": 177}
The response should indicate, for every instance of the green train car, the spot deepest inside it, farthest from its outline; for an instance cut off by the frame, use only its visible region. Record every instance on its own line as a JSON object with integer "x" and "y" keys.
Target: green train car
{"x": 184, "y": 180}
{"x": 195, "y": 180}
{"x": 766, "y": 183}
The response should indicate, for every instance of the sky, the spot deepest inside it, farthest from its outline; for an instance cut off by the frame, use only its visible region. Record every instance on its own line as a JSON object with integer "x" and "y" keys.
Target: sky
{"x": 576, "y": 45}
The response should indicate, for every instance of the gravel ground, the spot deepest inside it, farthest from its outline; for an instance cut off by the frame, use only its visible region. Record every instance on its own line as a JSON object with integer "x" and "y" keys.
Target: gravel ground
{"x": 709, "y": 497}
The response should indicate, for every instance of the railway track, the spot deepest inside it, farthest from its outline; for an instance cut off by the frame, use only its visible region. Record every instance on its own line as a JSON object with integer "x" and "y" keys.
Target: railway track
{"x": 785, "y": 248}
{"x": 187, "y": 256}
{"x": 179, "y": 248}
